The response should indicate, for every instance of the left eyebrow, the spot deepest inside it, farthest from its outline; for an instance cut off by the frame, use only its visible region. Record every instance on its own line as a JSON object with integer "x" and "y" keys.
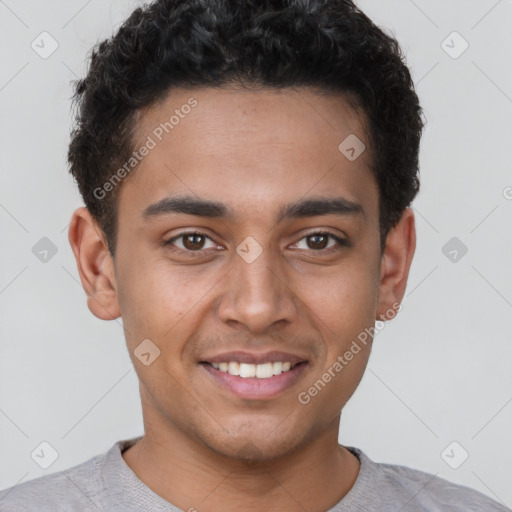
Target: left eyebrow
{"x": 321, "y": 206}
{"x": 189, "y": 205}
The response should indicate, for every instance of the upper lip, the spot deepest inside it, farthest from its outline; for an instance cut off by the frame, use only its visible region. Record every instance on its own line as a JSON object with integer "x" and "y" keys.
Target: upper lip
{"x": 254, "y": 357}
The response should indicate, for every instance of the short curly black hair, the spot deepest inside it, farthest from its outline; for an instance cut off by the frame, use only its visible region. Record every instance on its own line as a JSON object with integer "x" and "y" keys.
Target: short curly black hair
{"x": 327, "y": 44}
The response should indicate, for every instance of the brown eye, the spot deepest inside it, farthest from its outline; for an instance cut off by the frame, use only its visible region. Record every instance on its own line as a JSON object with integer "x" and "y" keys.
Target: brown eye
{"x": 193, "y": 241}
{"x": 189, "y": 242}
{"x": 319, "y": 241}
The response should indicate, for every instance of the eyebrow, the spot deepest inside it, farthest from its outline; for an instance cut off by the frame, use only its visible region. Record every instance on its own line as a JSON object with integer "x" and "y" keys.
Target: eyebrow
{"x": 189, "y": 205}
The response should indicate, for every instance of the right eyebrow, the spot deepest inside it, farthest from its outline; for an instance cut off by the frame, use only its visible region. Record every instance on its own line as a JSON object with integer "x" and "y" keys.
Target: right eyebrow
{"x": 188, "y": 205}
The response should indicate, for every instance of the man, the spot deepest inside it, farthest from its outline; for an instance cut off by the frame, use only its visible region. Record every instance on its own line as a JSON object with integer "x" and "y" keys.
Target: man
{"x": 247, "y": 170}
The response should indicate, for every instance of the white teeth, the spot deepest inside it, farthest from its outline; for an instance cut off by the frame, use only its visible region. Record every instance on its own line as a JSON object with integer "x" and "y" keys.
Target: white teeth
{"x": 264, "y": 371}
{"x": 234, "y": 368}
{"x": 245, "y": 370}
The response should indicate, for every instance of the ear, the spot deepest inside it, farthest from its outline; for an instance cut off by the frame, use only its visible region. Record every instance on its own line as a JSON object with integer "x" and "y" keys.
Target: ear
{"x": 95, "y": 265}
{"x": 395, "y": 264}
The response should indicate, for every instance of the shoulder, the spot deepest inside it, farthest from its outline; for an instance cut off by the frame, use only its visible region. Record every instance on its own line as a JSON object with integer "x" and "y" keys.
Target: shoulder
{"x": 435, "y": 493}
{"x": 76, "y": 488}
{"x": 416, "y": 490}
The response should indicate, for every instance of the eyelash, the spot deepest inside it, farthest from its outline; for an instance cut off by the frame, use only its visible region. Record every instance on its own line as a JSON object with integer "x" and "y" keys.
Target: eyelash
{"x": 200, "y": 252}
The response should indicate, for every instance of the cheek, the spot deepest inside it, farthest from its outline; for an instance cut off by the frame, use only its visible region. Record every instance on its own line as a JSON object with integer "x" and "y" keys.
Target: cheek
{"x": 162, "y": 302}
{"x": 346, "y": 307}
{"x": 344, "y": 301}
{"x": 327, "y": 391}
{"x": 326, "y": 394}
{"x": 147, "y": 298}
{"x": 148, "y": 287}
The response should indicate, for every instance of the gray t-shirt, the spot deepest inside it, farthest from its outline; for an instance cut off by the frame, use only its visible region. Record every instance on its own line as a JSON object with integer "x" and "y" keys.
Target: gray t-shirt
{"x": 106, "y": 483}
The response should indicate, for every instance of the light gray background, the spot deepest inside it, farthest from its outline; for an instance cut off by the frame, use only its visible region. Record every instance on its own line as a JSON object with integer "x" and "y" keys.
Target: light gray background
{"x": 440, "y": 372}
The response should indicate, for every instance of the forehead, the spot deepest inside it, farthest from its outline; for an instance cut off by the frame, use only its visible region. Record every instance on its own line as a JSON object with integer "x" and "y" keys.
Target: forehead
{"x": 253, "y": 149}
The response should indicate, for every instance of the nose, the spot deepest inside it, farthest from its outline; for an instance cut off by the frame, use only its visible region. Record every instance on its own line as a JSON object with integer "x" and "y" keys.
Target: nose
{"x": 258, "y": 295}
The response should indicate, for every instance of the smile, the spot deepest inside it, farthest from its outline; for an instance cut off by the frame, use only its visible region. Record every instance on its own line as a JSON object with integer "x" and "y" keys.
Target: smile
{"x": 255, "y": 381}
{"x": 260, "y": 371}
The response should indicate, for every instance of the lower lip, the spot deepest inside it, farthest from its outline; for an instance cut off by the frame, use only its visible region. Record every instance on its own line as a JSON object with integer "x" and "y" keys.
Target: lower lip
{"x": 254, "y": 388}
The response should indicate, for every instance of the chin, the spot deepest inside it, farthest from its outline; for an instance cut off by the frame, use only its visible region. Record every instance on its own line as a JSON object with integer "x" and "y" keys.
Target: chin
{"x": 255, "y": 444}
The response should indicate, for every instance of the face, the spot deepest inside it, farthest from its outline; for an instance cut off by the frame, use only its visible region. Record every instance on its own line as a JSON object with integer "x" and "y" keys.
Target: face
{"x": 271, "y": 255}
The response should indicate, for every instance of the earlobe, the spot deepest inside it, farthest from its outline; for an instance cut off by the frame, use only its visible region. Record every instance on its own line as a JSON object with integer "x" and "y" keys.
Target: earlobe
{"x": 95, "y": 265}
{"x": 395, "y": 265}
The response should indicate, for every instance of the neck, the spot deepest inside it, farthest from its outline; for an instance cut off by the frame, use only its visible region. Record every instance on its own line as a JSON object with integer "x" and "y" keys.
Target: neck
{"x": 191, "y": 476}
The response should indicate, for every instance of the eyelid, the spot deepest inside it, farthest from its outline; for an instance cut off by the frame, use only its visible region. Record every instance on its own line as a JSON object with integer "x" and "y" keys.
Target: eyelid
{"x": 183, "y": 234}
{"x": 340, "y": 241}
{"x": 324, "y": 231}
